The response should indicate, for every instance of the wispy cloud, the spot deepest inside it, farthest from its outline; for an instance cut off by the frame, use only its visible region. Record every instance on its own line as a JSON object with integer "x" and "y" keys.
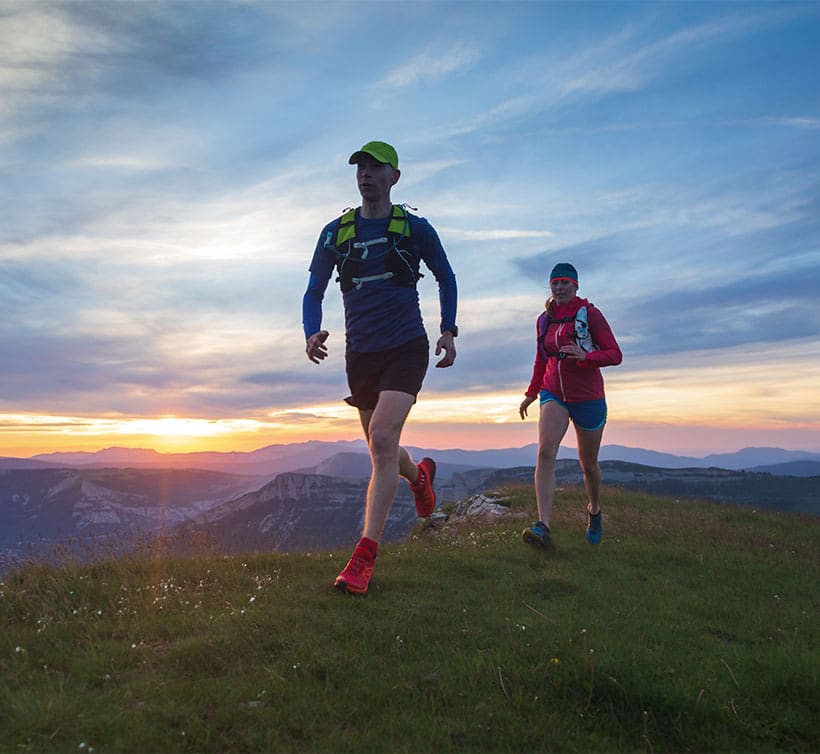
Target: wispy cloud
{"x": 36, "y": 39}
{"x": 495, "y": 234}
{"x": 626, "y": 62}
{"x": 508, "y": 109}
{"x": 792, "y": 122}
{"x": 427, "y": 66}
{"x": 623, "y": 62}
{"x": 167, "y": 168}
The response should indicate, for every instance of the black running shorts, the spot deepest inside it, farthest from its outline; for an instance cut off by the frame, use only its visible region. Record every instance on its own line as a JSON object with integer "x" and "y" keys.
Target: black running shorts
{"x": 401, "y": 369}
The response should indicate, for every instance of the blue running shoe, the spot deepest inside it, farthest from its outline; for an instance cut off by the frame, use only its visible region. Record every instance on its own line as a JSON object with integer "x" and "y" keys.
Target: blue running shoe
{"x": 594, "y": 529}
{"x": 538, "y": 534}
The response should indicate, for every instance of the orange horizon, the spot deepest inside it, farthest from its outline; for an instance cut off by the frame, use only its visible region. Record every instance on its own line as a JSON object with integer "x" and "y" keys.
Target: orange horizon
{"x": 696, "y": 408}
{"x": 679, "y": 439}
{"x": 663, "y": 409}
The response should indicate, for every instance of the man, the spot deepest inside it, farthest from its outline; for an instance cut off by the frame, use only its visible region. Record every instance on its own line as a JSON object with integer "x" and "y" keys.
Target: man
{"x": 375, "y": 251}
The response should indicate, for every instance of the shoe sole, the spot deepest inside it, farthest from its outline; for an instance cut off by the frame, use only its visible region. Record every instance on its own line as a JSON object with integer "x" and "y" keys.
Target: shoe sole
{"x": 533, "y": 539}
{"x": 345, "y": 588}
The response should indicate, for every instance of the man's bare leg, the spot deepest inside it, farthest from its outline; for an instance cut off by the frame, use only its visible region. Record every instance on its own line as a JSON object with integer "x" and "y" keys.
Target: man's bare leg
{"x": 382, "y": 427}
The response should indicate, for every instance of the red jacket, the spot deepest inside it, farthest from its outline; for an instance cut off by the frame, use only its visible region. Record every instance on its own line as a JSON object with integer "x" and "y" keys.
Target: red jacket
{"x": 573, "y": 379}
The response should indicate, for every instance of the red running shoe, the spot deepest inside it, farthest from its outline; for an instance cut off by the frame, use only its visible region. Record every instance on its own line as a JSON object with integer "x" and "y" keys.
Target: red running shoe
{"x": 355, "y": 577}
{"x": 423, "y": 493}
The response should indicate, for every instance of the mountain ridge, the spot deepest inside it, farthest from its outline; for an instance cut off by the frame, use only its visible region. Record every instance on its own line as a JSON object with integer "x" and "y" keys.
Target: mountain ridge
{"x": 279, "y": 458}
{"x": 44, "y": 509}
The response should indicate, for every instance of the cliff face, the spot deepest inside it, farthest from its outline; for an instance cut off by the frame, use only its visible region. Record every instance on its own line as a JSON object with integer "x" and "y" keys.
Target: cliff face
{"x": 302, "y": 512}
{"x": 45, "y": 508}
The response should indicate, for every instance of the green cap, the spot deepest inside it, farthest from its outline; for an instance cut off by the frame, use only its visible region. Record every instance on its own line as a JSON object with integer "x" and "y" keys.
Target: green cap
{"x": 380, "y": 151}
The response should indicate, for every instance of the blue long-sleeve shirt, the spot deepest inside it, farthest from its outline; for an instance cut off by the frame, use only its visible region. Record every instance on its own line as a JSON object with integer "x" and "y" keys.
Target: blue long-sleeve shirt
{"x": 380, "y": 315}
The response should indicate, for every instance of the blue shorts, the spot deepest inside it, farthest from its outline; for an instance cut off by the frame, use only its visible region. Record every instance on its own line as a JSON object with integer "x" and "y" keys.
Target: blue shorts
{"x": 588, "y": 415}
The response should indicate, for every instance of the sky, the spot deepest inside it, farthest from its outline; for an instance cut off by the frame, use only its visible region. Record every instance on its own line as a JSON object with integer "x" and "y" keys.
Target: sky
{"x": 166, "y": 168}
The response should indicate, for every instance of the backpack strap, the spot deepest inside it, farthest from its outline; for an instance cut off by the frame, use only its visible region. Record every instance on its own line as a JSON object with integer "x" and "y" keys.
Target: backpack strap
{"x": 347, "y": 227}
{"x": 399, "y": 225}
{"x": 399, "y": 222}
{"x": 544, "y": 321}
{"x": 401, "y": 263}
{"x": 583, "y": 337}
{"x": 541, "y": 329}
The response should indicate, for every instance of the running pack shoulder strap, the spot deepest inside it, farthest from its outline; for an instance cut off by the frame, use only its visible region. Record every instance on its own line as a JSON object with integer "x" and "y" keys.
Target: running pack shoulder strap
{"x": 400, "y": 261}
{"x": 581, "y": 335}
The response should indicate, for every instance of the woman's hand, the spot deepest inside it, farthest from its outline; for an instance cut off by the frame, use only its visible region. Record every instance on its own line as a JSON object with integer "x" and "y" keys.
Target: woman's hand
{"x": 522, "y": 409}
{"x": 573, "y": 351}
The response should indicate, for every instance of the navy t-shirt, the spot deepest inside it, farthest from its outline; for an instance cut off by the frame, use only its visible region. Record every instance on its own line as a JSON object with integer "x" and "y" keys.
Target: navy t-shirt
{"x": 380, "y": 314}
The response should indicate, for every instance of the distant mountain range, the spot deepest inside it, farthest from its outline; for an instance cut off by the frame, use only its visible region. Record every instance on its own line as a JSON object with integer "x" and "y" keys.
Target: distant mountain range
{"x": 311, "y": 495}
{"x": 276, "y": 459}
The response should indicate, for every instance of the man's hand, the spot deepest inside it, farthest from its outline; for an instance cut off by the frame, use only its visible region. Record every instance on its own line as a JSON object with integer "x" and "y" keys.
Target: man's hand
{"x": 446, "y": 343}
{"x": 316, "y": 349}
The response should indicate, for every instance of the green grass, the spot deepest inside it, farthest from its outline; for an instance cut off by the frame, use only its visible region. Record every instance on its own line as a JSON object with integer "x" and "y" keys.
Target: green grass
{"x": 693, "y": 627}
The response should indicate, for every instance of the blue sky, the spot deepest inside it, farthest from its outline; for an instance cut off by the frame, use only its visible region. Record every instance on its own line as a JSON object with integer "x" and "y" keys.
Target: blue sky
{"x": 167, "y": 168}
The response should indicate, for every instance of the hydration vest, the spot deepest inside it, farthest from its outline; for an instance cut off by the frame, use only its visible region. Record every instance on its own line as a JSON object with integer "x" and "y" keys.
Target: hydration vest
{"x": 400, "y": 263}
{"x": 581, "y": 335}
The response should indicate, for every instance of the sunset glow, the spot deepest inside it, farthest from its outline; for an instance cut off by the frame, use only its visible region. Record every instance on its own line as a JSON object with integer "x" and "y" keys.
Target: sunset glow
{"x": 699, "y": 406}
{"x": 160, "y": 218}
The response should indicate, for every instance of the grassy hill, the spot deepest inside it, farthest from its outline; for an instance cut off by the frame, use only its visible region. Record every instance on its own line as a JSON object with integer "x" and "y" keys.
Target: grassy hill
{"x": 693, "y": 627}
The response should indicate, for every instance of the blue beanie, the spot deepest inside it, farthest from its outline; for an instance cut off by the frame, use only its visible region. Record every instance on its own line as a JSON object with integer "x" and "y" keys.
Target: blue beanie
{"x": 564, "y": 271}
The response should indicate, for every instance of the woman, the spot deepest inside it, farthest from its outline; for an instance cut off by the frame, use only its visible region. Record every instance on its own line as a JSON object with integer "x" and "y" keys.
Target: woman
{"x": 574, "y": 342}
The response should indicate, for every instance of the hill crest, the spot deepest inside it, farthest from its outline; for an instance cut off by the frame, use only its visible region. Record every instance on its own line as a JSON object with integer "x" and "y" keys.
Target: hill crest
{"x": 275, "y": 459}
